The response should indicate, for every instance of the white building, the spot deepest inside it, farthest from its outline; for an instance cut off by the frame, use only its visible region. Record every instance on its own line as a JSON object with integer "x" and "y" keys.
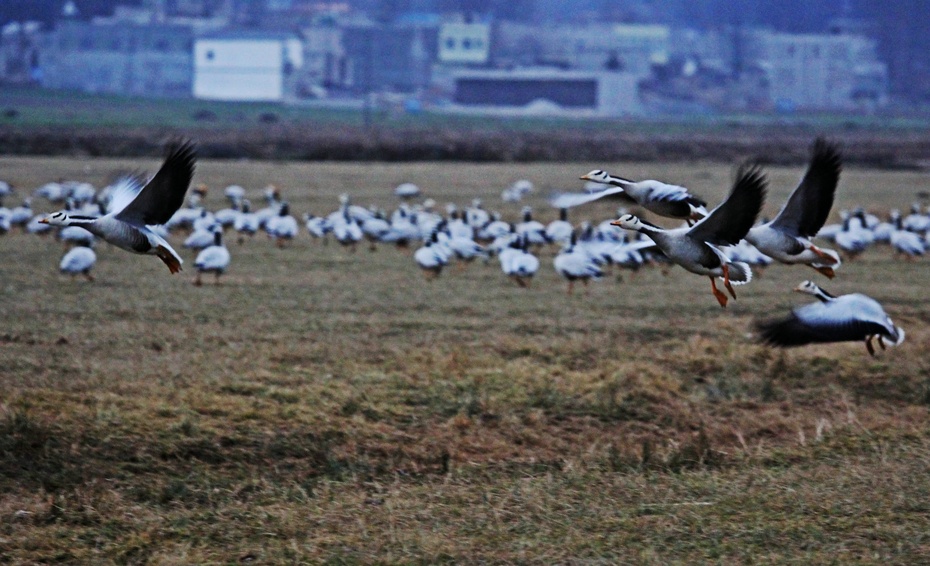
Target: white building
{"x": 461, "y": 43}
{"x": 245, "y": 66}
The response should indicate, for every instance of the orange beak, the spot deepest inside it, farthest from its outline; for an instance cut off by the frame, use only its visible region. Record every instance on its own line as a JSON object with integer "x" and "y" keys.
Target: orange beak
{"x": 615, "y": 223}
{"x": 585, "y": 178}
{"x": 43, "y": 221}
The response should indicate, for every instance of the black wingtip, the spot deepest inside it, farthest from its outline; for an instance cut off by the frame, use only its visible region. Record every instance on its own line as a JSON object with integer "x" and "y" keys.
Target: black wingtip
{"x": 827, "y": 154}
{"x": 778, "y": 333}
{"x": 181, "y": 150}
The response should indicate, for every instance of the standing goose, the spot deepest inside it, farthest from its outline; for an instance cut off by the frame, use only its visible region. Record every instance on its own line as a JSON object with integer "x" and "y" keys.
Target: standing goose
{"x": 847, "y": 318}
{"x": 213, "y": 259}
{"x": 134, "y": 207}
{"x": 78, "y": 261}
{"x": 786, "y": 237}
{"x": 574, "y": 264}
{"x": 657, "y": 197}
{"x": 695, "y": 248}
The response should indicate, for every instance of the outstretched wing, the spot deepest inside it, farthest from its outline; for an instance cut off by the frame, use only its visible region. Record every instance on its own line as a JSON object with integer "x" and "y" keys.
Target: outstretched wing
{"x": 568, "y": 200}
{"x": 123, "y": 191}
{"x": 796, "y": 331}
{"x": 163, "y": 195}
{"x": 809, "y": 204}
{"x": 732, "y": 219}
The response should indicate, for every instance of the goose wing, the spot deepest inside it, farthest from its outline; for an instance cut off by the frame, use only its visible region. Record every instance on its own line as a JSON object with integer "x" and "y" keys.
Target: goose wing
{"x": 163, "y": 195}
{"x": 732, "y": 219}
{"x": 569, "y": 200}
{"x": 847, "y": 318}
{"x": 123, "y": 191}
{"x": 809, "y": 204}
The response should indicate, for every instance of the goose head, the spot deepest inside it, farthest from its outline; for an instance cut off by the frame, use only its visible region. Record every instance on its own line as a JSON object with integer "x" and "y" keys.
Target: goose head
{"x": 598, "y": 176}
{"x": 629, "y": 222}
{"x": 810, "y": 288}
{"x": 61, "y": 218}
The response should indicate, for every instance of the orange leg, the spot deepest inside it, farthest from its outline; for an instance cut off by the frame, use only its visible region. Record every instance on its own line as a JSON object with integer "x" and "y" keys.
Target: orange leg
{"x": 721, "y": 297}
{"x": 822, "y": 254}
{"x": 163, "y": 254}
{"x": 726, "y": 280}
{"x": 824, "y": 270}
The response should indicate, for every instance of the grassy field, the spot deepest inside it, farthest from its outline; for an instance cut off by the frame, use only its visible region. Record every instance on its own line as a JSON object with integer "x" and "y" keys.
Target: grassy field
{"x": 325, "y": 406}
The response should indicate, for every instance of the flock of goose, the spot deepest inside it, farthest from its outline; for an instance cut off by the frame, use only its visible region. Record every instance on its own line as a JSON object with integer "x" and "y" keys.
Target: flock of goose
{"x": 722, "y": 244}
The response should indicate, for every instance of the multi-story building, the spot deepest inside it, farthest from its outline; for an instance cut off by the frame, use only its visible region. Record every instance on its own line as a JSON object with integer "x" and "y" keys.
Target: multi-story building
{"x": 124, "y": 58}
{"x": 839, "y": 71}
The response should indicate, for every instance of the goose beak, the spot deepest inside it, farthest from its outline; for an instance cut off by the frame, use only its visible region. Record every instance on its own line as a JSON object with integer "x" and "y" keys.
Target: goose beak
{"x": 798, "y": 289}
{"x": 585, "y": 178}
{"x": 615, "y": 223}
{"x": 43, "y": 221}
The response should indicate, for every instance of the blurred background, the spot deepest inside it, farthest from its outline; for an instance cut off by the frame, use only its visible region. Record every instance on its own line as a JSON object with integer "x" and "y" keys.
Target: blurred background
{"x": 373, "y": 61}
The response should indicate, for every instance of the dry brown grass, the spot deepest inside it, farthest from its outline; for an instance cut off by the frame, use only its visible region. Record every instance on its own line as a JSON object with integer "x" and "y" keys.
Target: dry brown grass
{"x": 319, "y": 405}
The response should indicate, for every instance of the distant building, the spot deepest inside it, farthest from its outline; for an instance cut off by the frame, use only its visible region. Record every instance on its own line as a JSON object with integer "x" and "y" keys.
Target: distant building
{"x": 246, "y": 65}
{"x": 19, "y": 53}
{"x": 326, "y": 65}
{"x": 628, "y": 47}
{"x": 123, "y": 58}
{"x": 820, "y": 71}
{"x": 464, "y": 43}
{"x": 389, "y": 57}
{"x": 548, "y": 91}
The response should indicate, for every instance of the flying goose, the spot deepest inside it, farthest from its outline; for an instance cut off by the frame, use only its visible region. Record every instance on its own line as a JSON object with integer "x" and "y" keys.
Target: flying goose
{"x": 212, "y": 259}
{"x": 660, "y": 198}
{"x": 695, "y": 248}
{"x": 134, "y": 207}
{"x": 786, "y": 237}
{"x": 846, "y": 318}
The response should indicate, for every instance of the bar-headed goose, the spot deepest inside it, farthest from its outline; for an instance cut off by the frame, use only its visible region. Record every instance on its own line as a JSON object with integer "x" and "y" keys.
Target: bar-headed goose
{"x": 660, "y": 198}
{"x": 212, "y": 259}
{"x": 134, "y": 207}
{"x": 847, "y": 318}
{"x": 78, "y": 261}
{"x": 786, "y": 237}
{"x": 574, "y": 264}
{"x": 695, "y": 248}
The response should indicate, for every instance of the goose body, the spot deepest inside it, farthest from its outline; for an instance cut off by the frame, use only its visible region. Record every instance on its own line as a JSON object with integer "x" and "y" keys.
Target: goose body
{"x": 212, "y": 259}
{"x": 78, "y": 261}
{"x": 574, "y": 264}
{"x": 846, "y": 318}
{"x": 696, "y": 248}
{"x": 432, "y": 257}
{"x": 786, "y": 237}
{"x": 519, "y": 264}
{"x": 282, "y": 227}
{"x": 134, "y": 207}
{"x": 560, "y": 230}
{"x": 660, "y": 198}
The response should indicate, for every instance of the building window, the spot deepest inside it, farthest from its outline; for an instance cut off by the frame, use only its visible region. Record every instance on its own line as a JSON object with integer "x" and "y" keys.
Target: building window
{"x": 161, "y": 45}
{"x": 450, "y": 43}
{"x": 210, "y": 55}
{"x": 466, "y": 44}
